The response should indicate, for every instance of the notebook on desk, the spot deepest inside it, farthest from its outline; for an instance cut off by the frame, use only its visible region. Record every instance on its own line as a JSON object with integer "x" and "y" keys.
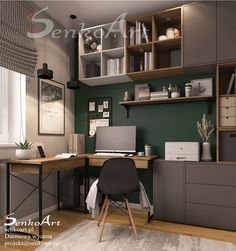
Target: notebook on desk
{"x": 65, "y": 155}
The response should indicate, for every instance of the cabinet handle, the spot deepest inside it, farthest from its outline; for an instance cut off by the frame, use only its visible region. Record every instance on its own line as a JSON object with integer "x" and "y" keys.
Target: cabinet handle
{"x": 233, "y": 135}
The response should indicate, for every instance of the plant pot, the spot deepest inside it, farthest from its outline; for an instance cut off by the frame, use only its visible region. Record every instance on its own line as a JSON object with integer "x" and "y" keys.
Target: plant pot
{"x": 23, "y": 153}
{"x": 175, "y": 94}
{"x": 206, "y": 151}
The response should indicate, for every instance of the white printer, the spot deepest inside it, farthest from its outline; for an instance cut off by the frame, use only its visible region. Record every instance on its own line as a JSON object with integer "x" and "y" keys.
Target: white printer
{"x": 182, "y": 151}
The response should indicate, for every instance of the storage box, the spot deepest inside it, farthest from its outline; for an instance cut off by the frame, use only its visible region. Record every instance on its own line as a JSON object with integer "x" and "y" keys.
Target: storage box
{"x": 182, "y": 151}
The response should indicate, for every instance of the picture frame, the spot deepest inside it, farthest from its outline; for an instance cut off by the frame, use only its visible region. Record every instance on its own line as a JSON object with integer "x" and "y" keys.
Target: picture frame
{"x": 202, "y": 87}
{"x": 51, "y": 107}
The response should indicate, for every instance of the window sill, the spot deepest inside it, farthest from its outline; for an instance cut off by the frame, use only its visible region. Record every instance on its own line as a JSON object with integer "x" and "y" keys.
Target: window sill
{"x": 7, "y": 145}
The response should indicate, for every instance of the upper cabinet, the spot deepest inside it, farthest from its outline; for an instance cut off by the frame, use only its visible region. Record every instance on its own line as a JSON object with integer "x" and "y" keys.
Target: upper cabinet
{"x": 199, "y": 33}
{"x": 162, "y": 44}
{"x": 102, "y": 54}
{"x": 226, "y": 31}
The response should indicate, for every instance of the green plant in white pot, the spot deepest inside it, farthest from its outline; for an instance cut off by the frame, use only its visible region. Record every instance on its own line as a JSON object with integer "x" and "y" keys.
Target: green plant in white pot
{"x": 205, "y": 129}
{"x": 23, "y": 150}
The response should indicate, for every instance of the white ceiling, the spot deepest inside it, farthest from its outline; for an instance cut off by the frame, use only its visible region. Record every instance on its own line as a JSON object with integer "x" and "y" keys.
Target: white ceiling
{"x": 99, "y": 12}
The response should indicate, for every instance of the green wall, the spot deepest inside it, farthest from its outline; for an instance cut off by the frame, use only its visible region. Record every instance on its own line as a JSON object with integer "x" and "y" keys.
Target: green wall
{"x": 155, "y": 123}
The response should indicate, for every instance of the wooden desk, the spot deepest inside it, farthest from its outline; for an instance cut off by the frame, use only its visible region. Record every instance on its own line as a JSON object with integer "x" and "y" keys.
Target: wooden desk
{"x": 39, "y": 166}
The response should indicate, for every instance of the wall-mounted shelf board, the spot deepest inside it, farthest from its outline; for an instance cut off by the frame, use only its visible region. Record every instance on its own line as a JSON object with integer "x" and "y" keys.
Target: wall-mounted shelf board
{"x": 127, "y": 104}
{"x": 157, "y": 73}
{"x": 104, "y": 80}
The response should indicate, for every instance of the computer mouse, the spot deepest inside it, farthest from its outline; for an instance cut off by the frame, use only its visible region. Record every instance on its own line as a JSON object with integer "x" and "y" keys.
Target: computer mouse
{"x": 130, "y": 155}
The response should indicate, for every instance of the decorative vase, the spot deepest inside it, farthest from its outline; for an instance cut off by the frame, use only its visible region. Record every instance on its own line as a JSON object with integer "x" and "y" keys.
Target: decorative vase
{"x": 175, "y": 94}
{"x": 23, "y": 154}
{"x": 206, "y": 151}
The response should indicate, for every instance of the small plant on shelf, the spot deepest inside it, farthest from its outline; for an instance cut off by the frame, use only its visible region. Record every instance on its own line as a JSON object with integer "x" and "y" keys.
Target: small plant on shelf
{"x": 23, "y": 150}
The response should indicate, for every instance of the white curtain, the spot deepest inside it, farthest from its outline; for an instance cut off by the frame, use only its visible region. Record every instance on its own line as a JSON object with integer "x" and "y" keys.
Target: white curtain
{"x": 17, "y": 51}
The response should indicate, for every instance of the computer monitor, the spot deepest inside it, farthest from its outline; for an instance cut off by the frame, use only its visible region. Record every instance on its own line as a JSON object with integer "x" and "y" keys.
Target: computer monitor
{"x": 116, "y": 139}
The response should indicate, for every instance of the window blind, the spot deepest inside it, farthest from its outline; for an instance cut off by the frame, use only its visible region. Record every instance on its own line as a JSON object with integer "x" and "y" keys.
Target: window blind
{"x": 17, "y": 51}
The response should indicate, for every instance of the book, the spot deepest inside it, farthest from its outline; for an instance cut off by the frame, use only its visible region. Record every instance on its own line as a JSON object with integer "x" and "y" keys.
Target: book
{"x": 65, "y": 155}
{"x": 144, "y": 33}
{"x": 146, "y": 61}
{"x": 144, "y": 93}
{"x": 138, "y": 32}
{"x": 150, "y": 61}
{"x": 131, "y": 35}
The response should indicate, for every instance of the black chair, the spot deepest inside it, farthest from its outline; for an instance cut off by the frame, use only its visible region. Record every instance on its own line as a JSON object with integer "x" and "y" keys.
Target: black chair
{"x": 118, "y": 177}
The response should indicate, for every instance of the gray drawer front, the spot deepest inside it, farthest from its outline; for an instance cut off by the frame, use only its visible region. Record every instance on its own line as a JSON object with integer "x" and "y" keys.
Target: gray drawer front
{"x": 211, "y": 216}
{"x": 211, "y": 173}
{"x": 211, "y": 195}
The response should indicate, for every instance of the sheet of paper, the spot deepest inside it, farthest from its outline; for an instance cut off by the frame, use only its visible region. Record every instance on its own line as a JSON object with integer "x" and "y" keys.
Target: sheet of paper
{"x": 91, "y": 106}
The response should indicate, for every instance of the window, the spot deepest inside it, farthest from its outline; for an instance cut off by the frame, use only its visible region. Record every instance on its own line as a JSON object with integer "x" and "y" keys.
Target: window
{"x": 12, "y": 106}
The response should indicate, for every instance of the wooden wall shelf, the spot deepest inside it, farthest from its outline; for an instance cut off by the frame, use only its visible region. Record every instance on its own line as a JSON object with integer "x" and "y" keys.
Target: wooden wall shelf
{"x": 127, "y": 104}
{"x": 157, "y": 73}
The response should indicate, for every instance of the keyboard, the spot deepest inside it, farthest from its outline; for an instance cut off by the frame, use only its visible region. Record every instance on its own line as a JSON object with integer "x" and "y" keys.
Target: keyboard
{"x": 112, "y": 154}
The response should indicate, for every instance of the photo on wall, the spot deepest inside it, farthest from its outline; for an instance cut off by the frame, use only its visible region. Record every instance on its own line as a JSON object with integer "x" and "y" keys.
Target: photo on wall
{"x": 51, "y": 107}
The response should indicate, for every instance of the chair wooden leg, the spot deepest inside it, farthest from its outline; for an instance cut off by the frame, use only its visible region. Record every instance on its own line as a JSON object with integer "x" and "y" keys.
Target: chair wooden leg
{"x": 104, "y": 218}
{"x": 131, "y": 218}
{"x": 128, "y": 212}
{"x": 101, "y": 213}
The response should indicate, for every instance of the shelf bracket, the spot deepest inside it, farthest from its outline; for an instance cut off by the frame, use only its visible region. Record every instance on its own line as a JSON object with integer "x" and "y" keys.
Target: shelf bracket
{"x": 127, "y": 110}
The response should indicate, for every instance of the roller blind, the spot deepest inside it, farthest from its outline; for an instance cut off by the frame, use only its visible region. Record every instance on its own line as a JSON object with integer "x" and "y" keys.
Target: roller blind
{"x": 17, "y": 51}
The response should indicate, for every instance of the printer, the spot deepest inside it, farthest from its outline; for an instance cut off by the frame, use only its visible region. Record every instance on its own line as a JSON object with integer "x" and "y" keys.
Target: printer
{"x": 182, "y": 151}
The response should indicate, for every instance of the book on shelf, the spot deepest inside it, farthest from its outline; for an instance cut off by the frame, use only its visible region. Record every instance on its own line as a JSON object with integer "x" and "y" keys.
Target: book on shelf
{"x": 158, "y": 95}
{"x": 138, "y": 32}
{"x": 148, "y": 61}
{"x": 144, "y": 93}
{"x": 115, "y": 66}
{"x": 136, "y": 90}
{"x": 144, "y": 33}
{"x": 132, "y": 35}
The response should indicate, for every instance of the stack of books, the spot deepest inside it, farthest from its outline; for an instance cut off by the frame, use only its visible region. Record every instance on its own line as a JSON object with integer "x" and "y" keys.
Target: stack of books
{"x": 138, "y": 34}
{"x": 158, "y": 95}
{"x": 115, "y": 66}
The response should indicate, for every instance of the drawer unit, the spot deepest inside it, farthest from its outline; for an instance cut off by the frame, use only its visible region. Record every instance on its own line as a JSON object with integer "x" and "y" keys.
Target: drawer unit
{"x": 211, "y": 173}
{"x": 227, "y": 121}
{"x": 211, "y": 195}
{"x": 227, "y": 143}
{"x": 227, "y": 101}
{"x": 211, "y": 216}
{"x": 228, "y": 111}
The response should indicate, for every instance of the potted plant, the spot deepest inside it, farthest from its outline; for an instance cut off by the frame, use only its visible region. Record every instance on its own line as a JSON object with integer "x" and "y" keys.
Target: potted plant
{"x": 175, "y": 92}
{"x": 205, "y": 129}
{"x": 23, "y": 150}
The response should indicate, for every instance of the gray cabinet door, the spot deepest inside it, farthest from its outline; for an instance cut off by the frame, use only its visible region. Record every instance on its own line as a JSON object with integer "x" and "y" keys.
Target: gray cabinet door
{"x": 226, "y": 30}
{"x": 169, "y": 194}
{"x": 199, "y": 33}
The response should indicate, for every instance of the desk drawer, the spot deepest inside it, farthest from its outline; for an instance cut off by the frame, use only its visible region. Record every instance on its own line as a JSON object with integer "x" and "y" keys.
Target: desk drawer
{"x": 211, "y": 195}
{"x": 227, "y": 101}
{"x": 211, "y": 173}
{"x": 211, "y": 216}
{"x": 228, "y": 111}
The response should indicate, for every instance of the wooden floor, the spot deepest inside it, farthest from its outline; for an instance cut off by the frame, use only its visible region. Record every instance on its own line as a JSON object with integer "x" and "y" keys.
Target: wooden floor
{"x": 69, "y": 219}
